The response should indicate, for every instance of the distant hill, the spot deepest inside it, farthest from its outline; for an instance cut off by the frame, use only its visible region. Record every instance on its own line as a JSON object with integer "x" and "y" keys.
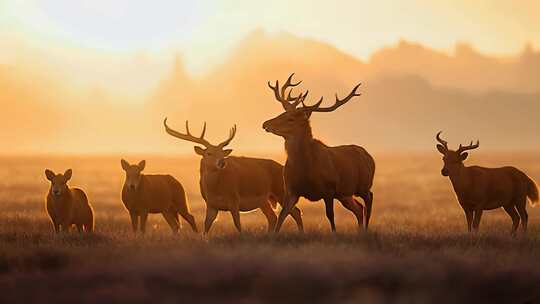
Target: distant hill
{"x": 465, "y": 69}
{"x": 409, "y": 93}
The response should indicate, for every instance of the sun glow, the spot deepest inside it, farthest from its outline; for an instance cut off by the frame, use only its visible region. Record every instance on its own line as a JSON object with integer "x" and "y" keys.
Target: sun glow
{"x": 68, "y": 64}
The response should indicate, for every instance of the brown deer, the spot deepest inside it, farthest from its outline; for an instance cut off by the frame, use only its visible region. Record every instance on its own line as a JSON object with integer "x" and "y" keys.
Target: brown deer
{"x": 144, "y": 193}
{"x": 68, "y": 206}
{"x": 236, "y": 184}
{"x": 478, "y": 188}
{"x": 314, "y": 170}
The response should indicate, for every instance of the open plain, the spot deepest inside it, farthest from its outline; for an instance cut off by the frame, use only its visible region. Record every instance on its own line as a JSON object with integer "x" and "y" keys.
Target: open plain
{"x": 416, "y": 251}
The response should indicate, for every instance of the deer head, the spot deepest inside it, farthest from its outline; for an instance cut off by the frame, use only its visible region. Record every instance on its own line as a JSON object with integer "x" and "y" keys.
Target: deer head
{"x": 133, "y": 174}
{"x": 213, "y": 155}
{"x": 296, "y": 119}
{"x": 58, "y": 181}
{"x": 453, "y": 159}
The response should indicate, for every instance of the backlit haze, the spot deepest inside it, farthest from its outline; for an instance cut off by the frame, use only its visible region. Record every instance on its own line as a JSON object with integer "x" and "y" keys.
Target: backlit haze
{"x": 85, "y": 77}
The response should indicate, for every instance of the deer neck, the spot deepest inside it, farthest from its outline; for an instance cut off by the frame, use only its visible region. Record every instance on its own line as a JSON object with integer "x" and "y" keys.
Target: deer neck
{"x": 207, "y": 168}
{"x": 299, "y": 145}
{"x": 460, "y": 178}
{"x": 62, "y": 199}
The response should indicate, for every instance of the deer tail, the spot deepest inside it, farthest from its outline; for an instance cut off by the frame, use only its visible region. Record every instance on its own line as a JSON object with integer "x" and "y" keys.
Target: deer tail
{"x": 532, "y": 191}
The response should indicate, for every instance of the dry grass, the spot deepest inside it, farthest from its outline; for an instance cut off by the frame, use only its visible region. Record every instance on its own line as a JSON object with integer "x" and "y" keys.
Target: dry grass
{"x": 416, "y": 252}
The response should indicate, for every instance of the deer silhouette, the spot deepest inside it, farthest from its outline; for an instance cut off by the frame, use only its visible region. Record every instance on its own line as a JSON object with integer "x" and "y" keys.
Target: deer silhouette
{"x": 478, "y": 188}
{"x": 236, "y": 184}
{"x": 314, "y": 170}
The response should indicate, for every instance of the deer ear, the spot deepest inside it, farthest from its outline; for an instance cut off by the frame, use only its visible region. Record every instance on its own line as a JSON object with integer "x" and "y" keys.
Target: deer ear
{"x": 227, "y": 152}
{"x": 125, "y": 164}
{"x": 49, "y": 174}
{"x": 142, "y": 164}
{"x": 308, "y": 114}
{"x": 199, "y": 150}
{"x": 68, "y": 174}
{"x": 441, "y": 149}
{"x": 463, "y": 156}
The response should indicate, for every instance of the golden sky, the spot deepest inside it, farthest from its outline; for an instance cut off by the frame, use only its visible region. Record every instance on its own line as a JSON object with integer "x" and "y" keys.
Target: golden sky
{"x": 106, "y": 69}
{"x": 204, "y": 30}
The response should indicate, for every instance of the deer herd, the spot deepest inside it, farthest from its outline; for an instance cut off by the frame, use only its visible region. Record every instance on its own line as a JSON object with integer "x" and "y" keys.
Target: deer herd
{"x": 313, "y": 170}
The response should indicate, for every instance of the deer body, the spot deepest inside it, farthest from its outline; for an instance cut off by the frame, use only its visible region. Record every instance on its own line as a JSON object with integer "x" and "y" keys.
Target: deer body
{"x": 144, "y": 194}
{"x": 234, "y": 187}
{"x": 479, "y": 188}
{"x": 68, "y": 206}
{"x": 314, "y": 170}
{"x": 237, "y": 184}
{"x": 488, "y": 188}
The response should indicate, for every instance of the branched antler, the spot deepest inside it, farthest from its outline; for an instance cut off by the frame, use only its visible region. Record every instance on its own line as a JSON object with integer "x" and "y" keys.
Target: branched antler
{"x": 187, "y": 136}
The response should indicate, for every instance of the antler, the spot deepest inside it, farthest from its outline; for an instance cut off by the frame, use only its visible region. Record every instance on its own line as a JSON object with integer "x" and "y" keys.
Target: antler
{"x": 289, "y": 102}
{"x": 232, "y": 133}
{"x": 339, "y": 102}
{"x": 471, "y": 146}
{"x": 188, "y": 136}
{"x": 441, "y": 141}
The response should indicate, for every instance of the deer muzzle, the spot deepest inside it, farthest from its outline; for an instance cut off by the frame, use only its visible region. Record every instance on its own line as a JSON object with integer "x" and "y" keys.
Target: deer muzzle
{"x": 266, "y": 126}
{"x": 444, "y": 172}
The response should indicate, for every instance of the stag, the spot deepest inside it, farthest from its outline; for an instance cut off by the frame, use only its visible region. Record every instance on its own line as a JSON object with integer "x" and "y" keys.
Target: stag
{"x": 236, "y": 184}
{"x": 478, "y": 188}
{"x": 152, "y": 193}
{"x": 314, "y": 170}
{"x": 68, "y": 206}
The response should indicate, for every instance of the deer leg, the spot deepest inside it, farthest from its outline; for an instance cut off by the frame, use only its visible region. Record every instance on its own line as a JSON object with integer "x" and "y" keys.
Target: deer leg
{"x": 235, "y": 213}
{"x": 521, "y": 209}
{"x": 297, "y": 216}
{"x": 469, "y": 216}
{"x": 65, "y": 227}
{"x": 288, "y": 205}
{"x": 144, "y": 217}
{"x": 511, "y": 210}
{"x": 329, "y": 204}
{"x": 521, "y": 206}
{"x": 56, "y": 227}
{"x": 89, "y": 227}
{"x": 177, "y": 218}
{"x": 476, "y": 219}
{"x": 171, "y": 220}
{"x": 134, "y": 221}
{"x": 271, "y": 217}
{"x": 355, "y": 207}
{"x": 189, "y": 218}
{"x": 211, "y": 215}
{"x": 368, "y": 200}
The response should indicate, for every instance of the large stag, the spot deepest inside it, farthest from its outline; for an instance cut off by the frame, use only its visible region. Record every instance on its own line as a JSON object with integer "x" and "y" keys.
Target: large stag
{"x": 236, "y": 184}
{"x": 478, "y": 188}
{"x": 314, "y": 170}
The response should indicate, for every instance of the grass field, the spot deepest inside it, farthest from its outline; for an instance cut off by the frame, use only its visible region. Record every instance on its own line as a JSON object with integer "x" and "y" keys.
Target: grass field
{"x": 417, "y": 249}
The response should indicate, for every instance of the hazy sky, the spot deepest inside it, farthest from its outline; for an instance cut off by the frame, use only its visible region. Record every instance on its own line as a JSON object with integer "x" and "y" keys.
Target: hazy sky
{"x": 204, "y": 30}
{"x": 108, "y": 59}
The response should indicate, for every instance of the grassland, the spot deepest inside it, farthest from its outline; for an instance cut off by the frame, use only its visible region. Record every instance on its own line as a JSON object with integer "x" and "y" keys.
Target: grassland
{"x": 417, "y": 250}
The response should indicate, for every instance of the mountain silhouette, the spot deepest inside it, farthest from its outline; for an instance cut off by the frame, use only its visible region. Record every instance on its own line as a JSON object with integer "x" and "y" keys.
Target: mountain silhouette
{"x": 409, "y": 92}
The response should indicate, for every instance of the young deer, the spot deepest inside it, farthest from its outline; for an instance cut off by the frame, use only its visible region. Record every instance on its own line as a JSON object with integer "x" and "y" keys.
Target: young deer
{"x": 478, "y": 188}
{"x": 144, "y": 193}
{"x": 68, "y": 206}
{"x": 316, "y": 171}
{"x": 235, "y": 184}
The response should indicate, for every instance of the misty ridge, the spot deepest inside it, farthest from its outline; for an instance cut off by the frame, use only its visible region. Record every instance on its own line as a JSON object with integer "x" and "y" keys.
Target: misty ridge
{"x": 409, "y": 92}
